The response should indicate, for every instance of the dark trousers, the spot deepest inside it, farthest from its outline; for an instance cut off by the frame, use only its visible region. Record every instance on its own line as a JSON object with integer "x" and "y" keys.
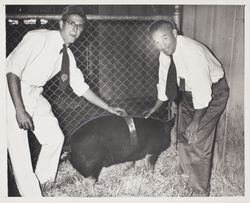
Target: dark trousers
{"x": 196, "y": 158}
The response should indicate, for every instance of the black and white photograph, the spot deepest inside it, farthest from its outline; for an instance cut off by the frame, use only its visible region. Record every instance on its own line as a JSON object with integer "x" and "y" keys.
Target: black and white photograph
{"x": 123, "y": 100}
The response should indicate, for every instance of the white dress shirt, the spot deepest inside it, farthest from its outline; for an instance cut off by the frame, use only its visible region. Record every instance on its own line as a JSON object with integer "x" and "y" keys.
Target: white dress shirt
{"x": 194, "y": 63}
{"x": 37, "y": 59}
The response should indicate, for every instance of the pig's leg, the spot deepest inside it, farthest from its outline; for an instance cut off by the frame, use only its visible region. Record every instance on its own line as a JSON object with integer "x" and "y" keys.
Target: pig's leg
{"x": 130, "y": 165}
{"x": 90, "y": 184}
{"x": 150, "y": 161}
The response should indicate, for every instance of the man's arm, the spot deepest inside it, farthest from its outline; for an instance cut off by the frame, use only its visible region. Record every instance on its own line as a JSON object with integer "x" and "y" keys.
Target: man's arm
{"x": 24, "y": 120}
{"x": 164, "y": 62}
{"x": 96, "y": 100}
{"x": 156, "y": 106}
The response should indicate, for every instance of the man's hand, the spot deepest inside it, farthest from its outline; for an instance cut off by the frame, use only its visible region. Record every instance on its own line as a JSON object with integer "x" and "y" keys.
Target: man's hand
{"x": 148, "y": 113}
{"x": 117, "y": 111}
{"x": 24, "y": 120}
{"x": 156, "y": 106}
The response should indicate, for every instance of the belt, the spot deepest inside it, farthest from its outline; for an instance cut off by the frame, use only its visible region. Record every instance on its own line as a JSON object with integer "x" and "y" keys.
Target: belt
{"x": 131, "y": 125}
{"x": 182, "y": 85}
{"x": 221, "y": 80}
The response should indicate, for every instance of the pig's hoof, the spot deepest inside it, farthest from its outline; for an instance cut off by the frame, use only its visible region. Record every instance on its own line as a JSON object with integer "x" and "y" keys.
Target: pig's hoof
{"x": 149, "y": 167}
{"x": 90, "y": 185}
{"x": 150, "y": 161}
{"x": 130, "y": 165}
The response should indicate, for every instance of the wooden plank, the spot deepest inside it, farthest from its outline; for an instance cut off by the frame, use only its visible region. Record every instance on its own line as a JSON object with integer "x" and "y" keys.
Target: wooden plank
{"x": 120, "y": 10}
{"x": 234, "y": 142}
{"x": 222, "y": 36}
{"x": 223, "y": 28}
{"x": 188, "y": 20}
{"x": 237, "y": 58}
{"x": 204, "y": 24}
{"x": 105, "y": 10}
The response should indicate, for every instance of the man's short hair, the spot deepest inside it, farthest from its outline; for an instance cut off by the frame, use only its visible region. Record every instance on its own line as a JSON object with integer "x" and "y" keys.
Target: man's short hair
{"x": 159, "y": 24}
{"x": 74, "y": 9}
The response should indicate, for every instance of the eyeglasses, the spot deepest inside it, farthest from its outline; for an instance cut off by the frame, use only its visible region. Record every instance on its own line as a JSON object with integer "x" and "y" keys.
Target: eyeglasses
{"x": 74, "y": 25}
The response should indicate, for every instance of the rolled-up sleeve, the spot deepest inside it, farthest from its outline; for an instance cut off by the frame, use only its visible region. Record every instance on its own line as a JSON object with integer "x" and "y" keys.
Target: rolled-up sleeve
{"x": 77, "y": 81}
{"x": 164, "y": 62}
{"x": 199, "y": 78}
{"x": 24, "y": 53}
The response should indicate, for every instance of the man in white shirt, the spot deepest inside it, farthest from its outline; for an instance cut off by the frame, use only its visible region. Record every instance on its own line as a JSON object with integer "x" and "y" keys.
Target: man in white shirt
{"x": 205, "y": 92}
{"x": 33, "y": 62}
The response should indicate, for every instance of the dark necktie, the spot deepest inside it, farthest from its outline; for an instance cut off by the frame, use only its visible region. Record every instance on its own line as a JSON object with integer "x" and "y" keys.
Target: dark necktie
{"x": 171, "y": 86}
{"x": 64, "y": 76}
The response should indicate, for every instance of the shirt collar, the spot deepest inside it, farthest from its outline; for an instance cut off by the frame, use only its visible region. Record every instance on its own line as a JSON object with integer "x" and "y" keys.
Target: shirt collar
{"x": 60, "y": 38}
{"x": 59, "y": 41}
{"x": 178, "y": 46}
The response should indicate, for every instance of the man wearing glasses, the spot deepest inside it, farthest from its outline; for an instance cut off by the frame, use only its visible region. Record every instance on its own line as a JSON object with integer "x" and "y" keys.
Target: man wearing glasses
{"x": 38, "y": 57}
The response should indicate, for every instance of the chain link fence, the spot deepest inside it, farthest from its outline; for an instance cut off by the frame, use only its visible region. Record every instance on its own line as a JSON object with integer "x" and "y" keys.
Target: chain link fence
{"x": 117, "y": 59}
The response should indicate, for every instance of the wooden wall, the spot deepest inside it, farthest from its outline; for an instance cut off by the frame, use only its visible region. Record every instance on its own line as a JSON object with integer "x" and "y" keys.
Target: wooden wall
{"x": 221, "y": 28}
{"x": 135, "y": 10}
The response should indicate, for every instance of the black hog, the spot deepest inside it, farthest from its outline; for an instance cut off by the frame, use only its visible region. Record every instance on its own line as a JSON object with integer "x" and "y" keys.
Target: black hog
{"x": 105, "y": 141}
